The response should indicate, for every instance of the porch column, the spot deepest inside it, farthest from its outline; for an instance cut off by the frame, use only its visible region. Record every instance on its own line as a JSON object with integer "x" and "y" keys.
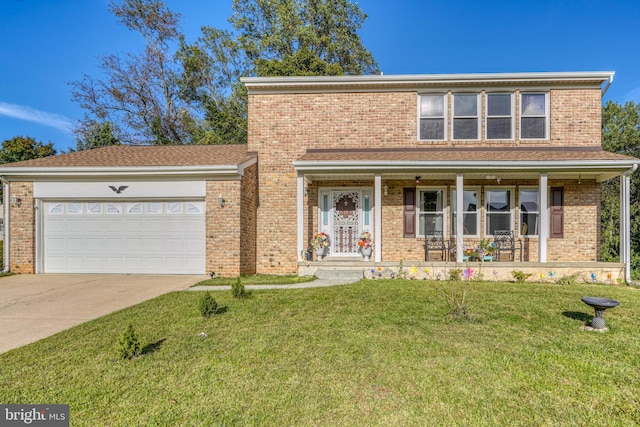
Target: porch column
{"x": 300, "y": 205}
{"x": 377, "y": 216}
{"x": 459, "y": 216}
{"x": 625, "y": 224}
{"x": 543, "y": 231}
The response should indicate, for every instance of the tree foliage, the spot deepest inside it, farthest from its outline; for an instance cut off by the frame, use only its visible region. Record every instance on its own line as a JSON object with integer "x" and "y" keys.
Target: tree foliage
{"x": 140, "y": 91}
{"x": 327, "y": 29}
{"x": 620, "y": 134}
{"x": 21, "y": 148}
{"x": 174, "y": 92}
{"x": 95, "y": 135}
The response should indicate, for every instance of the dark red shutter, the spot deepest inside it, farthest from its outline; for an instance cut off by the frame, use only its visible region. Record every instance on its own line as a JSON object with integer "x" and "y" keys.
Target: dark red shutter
{"x": 409, "y": 212}
{"x": 557, "y": 213}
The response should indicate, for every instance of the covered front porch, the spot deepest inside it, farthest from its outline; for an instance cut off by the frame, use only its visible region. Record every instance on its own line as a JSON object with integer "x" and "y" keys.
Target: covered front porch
{"x": 548, "y": 200}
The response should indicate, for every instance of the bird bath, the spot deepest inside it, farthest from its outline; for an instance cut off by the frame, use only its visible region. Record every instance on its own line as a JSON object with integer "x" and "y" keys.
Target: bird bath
{"x": 600, "y": 305}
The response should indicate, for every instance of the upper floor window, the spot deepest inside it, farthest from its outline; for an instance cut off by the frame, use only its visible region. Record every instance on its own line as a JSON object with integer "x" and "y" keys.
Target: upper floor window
{"x": 431, "y": 217}
{"x": 465, "y": 116}
{"x": 499, "y": 116}
{"x": 433, "y": 114}
{"x": 534, "y": 116}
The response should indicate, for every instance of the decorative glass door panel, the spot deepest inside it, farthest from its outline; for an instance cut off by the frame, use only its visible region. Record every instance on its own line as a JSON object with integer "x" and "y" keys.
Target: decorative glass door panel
{"x": 346, "y": 222}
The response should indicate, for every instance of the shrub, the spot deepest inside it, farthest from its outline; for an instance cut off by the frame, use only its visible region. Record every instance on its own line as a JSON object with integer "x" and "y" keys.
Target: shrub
{"x": 456, "y": 299}
{"x": 520, "y": 276}
{"x": 568, "y": 280}
{"x": 129, "y": 344}
{"x": 207, "y": 305}
{"x": 455, "y": 275}
{"x": 237, "y": 289}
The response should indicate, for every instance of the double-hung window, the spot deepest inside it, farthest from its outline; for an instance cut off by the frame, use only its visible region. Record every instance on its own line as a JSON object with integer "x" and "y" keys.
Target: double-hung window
{"x": 470, "y": 209}
{"x": 465, "y": 116}
{"x": 498, "y": 210}
{"x": 433, "y": 115}
{"x": 534, "y": 116}
{"x": 499, "y": 116}
{"x": 529, "y": 212}
{"x": 431, "y": 215}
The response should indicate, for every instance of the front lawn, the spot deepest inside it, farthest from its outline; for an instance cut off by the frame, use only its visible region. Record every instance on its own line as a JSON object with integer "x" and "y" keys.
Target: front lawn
{"x": 372, "y": 353}
{"x": 258, "y": 279}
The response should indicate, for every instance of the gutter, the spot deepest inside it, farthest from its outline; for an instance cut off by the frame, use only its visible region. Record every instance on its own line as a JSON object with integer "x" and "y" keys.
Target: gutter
{"x": 5, "y": 247}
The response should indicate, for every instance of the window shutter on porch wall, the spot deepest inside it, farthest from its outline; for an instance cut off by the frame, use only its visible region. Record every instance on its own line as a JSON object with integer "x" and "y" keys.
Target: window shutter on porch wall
{"x": 409, "y": 216}
{"x": 557, "y": 213}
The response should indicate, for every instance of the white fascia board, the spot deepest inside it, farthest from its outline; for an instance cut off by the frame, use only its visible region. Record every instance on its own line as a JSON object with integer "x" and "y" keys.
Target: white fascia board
{"x": 304, "y": 166}
{"x": 218, "y": 171}
{"x": 417, "y": 79}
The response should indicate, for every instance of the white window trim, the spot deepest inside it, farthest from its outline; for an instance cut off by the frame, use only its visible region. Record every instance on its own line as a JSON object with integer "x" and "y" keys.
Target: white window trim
{"x": 445, "y": 97}
{"x": 513, "y": 116}
{"x": 478, "y": 212}
{"x": 512, "y": 190}
{"x": 445, "y": 209}
{"x": 547, "y": 115}
{"x": 477, "y": 116}
{"x": 519, "y": 212}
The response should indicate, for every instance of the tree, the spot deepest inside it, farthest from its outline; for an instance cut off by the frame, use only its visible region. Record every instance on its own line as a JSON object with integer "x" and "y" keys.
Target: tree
{"x": 274, "y": 38}
{"x": 21, "y": 148}
{"x": 95, "y": 135}
{"x": 620, "y": 134}
{"x": 140, "y": 91}
{"x": 273, "y": 30}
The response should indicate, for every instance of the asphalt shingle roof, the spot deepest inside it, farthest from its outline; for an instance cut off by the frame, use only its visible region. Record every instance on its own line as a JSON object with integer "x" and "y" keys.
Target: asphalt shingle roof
{"x": 131, "y": 156}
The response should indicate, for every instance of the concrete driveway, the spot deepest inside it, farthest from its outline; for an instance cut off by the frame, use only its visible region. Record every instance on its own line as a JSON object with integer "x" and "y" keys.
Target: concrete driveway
{"x": 36, "y": 306}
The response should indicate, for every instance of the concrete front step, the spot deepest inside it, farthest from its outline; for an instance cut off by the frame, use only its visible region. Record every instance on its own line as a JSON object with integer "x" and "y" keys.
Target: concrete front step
{"x": 335, "y": 274}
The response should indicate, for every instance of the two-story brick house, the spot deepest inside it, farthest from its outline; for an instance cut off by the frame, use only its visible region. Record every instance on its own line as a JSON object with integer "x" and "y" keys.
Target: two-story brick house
{"x": 395, "y": 155}
{"x": 392, "y": 155}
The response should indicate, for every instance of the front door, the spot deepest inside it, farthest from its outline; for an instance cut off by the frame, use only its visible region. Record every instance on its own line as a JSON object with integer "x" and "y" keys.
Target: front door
{"x": 346, "y": 222}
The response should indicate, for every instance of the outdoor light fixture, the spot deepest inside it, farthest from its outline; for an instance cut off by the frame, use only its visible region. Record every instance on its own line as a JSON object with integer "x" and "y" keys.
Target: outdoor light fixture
{"x": 16, "y": 201}
{"x": 306, "y": 190}
{"x": 498, "y": 179}
{"x": 221, "y": 201}
{"x": 418, "y": 179}
{"x": 579, "y": 179}
{"x": 386, "y": 190}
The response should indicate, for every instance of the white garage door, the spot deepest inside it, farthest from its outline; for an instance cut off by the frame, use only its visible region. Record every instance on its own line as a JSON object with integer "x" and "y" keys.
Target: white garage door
{"x": 150, "y": 237}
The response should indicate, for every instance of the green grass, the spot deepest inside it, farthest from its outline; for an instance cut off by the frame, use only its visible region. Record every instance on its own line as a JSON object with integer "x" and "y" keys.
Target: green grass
{"x": 376, "y": 353}
{"x": 262, "y": 279}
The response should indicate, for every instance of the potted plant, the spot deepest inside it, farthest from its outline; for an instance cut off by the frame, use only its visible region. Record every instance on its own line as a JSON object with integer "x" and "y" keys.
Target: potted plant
{"x": 320, "y": 243}
{"x": 365, "y": 245}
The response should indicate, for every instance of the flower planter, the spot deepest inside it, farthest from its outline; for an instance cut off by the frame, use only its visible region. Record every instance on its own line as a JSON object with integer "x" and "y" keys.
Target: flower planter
{"x": 321, "y": 252}
{"x": 366, "y": 252}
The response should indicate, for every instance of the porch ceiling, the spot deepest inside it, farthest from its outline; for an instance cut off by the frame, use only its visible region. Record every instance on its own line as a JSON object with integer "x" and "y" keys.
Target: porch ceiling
{"x": 474, "y": 163}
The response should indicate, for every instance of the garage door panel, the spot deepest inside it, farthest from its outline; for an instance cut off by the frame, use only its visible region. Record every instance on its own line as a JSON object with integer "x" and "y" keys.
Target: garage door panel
{"x": 114, "y": 225}
{"x": 138, "y": 237}
{"x": 93, "y": 225}
{"x": 174, "y": 226}
{"x": 133, "y": 244}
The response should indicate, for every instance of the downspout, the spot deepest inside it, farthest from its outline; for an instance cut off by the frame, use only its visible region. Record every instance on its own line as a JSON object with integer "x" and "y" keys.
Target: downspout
{"x": 627, "y": 219}
{"x": 608, "y": 84}
{"x": 5, "y": 246}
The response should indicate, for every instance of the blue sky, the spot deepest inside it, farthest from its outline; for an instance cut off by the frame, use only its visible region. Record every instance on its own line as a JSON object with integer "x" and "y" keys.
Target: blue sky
{"x": 45, "y": 44}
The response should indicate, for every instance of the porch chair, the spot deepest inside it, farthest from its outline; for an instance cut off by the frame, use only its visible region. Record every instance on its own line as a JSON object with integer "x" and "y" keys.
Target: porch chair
{"x": 434, "y": 241}
{"x": 504, "y": 241}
